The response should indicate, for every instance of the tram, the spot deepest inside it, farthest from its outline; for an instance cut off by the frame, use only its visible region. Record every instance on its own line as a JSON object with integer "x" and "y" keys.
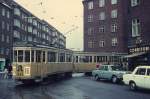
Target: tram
{"x": 36, "y": 62}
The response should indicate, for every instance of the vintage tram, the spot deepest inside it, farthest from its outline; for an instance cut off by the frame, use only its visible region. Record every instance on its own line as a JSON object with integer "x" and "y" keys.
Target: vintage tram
{"x": 36, "y": 62}
{"x": 33, "y": 62}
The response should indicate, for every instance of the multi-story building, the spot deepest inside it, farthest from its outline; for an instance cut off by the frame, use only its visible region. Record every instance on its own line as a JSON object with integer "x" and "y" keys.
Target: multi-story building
{"x": 28, "y": 27}
{"x": 104, "y": 28}
{"x": 118, "y": 26}
{"x": 139, "y": 32}
{"x": 5, "y": 33}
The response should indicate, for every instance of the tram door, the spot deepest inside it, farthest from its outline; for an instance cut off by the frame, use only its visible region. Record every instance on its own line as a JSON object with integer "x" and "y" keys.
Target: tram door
{"x": 38, "y": 62}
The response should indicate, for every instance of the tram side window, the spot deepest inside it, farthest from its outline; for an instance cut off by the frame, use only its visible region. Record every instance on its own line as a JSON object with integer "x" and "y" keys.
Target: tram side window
{"x": 76, "y": 59}
{"x": 62, "y": 57}
{"x": 86, "y": 59}
{"x": 44, "y": 56}
{"x": 32, "y": 56}
{"x": 20, "y": 56}
{"x": 27, "y": 56}
{"x": 68, "y": 58}
{"x": 51, "y": 57}
{"x": 15, "y": 56}
{"x": 38, "y": 56}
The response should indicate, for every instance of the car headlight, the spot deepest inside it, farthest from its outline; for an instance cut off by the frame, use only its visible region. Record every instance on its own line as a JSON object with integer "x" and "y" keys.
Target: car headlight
{"x": 27, "y": 71}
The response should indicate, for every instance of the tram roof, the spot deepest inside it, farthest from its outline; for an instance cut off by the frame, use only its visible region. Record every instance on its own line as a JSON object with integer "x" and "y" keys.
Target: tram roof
{"x": 27, "y": 44}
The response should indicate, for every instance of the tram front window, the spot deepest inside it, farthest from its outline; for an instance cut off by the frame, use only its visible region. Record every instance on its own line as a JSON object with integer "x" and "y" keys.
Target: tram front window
{"x": 27, "y": 56}
{"x": 20, "y": 56}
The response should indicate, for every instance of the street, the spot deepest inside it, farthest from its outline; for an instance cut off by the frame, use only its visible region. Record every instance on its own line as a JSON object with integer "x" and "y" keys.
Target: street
{"x": 78, "y": 87}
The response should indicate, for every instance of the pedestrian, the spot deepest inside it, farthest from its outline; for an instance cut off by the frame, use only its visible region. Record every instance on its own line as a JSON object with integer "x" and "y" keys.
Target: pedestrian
{"x": 5, "y": 72}
{"x": 9, "y": 71}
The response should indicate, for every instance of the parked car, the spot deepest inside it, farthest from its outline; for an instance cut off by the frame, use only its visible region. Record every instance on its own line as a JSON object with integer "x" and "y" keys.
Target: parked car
{"x": 109, "y": 72}
{"x": 140, "y": 78}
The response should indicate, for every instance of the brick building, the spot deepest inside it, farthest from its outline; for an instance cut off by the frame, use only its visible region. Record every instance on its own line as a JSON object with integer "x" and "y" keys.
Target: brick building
{"x": 139, "y": 32}
{"x": 118, "y": 26}
{"x": 104, "y": 28}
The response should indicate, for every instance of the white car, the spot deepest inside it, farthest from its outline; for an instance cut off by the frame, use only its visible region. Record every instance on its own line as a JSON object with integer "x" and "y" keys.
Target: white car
{"x": 140, "y": 78}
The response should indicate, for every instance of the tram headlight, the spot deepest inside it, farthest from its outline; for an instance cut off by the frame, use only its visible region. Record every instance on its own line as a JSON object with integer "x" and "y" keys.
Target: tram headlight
{"x": 27, "y": 71}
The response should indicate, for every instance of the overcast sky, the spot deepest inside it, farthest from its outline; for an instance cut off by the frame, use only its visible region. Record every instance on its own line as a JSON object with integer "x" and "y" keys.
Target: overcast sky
{"x": 65, "y": 15}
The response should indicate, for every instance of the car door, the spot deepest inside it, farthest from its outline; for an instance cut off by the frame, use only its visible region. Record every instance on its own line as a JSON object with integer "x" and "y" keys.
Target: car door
{"x": 101, "y": 71}
{"x": 147, "y": 79}
{"x": 105, "y": 72}
{"x": 139, "y": 77}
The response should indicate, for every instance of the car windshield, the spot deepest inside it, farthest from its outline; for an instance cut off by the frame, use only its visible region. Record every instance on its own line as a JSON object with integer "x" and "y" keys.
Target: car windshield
{"x": 117, "y": 68}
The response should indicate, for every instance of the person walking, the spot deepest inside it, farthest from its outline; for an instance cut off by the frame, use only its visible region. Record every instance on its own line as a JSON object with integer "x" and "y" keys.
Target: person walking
{"x": 9, "y": 71}
{"x": 5, "y": 72}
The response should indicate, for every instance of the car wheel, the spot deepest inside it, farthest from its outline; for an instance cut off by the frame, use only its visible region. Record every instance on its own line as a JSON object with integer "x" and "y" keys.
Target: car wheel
{"x": 114, "y": 79}
{"x": 132, "y": 86}
{"x": 97, "y": 78}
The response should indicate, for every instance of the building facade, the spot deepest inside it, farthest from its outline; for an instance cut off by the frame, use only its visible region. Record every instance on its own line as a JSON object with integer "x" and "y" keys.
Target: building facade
{"x": 104, "y": 28}
{"x": 29, "y": 28}
{"x": 5, "y": 34}
{"x": 118, "y": 26}
{"x": 139, "y": 32}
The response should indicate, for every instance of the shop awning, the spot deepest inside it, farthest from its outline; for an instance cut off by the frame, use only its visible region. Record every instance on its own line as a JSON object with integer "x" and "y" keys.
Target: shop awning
{"x": 134, "y": 55}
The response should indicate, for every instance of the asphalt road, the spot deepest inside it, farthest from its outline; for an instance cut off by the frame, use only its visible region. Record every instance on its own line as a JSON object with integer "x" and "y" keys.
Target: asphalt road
{"x": 78, "y": 87}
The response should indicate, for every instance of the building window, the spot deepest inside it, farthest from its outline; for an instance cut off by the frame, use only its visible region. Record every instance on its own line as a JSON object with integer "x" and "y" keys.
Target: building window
{"x": 16, "y": 34}
{"x": 113, "y": 28}
{"x": 135, "y": 2}
{"x": 35, "y": 31}
{"x": 102, "y": 29}
{"x": 8, "y": 14}
{"x": 101, "y": 43}
{"x": 102, "y": 16}
{"x": 90, "y": 31}
{"x": 135, "y": 27}
{"x": 101, "y": 3}
{"x": 30, "y": 29}
{"x": 90, "y": 5}
{"x": 3, "y": 12}
{"x": 7, "y": 39}
{"x": 29, "y": 38}
{"x": 91, "y": 44}
{"x": 114, "y": 13}
{"x": 17, "y": 11}
{"x": 30, "y": 20}
{"x": 3, "y": 38}
{"x": 17, "y": 23}
{"x": 114, "y": 1}
{"x": 3, "y": 25}
{"x": 114, "y": 41}
{"x": 2, "y": 50}
{"x": 7, "y": 51}
{"x": 90, "y": 18}
{"x": 34, "y": 22}
{"x": 8, "y": 27}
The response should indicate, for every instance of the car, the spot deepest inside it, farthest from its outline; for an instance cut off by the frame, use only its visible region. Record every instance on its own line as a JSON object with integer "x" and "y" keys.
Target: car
{"x": 113, "y": 73}
{"x": 139, "y": 78}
